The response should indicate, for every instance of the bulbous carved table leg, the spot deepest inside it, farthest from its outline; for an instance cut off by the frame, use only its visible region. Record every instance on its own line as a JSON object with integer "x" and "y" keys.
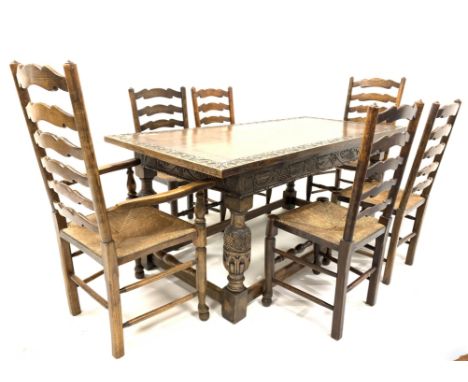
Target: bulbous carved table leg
{"x": 236, "y": 258}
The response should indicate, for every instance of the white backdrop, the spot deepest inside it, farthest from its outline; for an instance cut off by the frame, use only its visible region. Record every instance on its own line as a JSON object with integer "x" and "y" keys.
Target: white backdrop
{"x": 283, "y": 59}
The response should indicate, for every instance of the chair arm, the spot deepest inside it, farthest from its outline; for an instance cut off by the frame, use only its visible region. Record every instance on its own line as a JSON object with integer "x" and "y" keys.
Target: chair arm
{"x": 167, "y": 196}
{"x": 118, "y": 166}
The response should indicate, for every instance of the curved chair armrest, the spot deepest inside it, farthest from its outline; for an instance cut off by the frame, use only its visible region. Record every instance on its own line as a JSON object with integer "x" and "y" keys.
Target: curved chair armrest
{"x": 168, "y": 196}
{"x": 118, "y": 166}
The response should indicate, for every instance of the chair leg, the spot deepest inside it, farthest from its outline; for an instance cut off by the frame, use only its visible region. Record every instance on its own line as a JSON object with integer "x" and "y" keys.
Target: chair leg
{"x": 269, "y": 191}
{"x": 174, "y": 205}
{"x": 317, "y": 258}
{"x": 310, "y": 179}
{"x": 222, "y": 208}
{"x": 271, "y": 232}
{"x": 207, "y": 210}
{"x": 377, "y": 261}
{"x": 344, "y": 261}
{"x": 200, "y": 244}
{"x": 392, "y": 249}
{"x": 416, "y": 229}
{"x": 67, "y": 269}
{"x": 139, "y": 270}
{"x": 190, "y": 205}
{"x": 111, "y": 274}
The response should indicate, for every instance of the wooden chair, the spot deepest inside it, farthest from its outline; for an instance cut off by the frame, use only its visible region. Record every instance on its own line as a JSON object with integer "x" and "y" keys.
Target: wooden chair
{"x": 411, "y": 201}
{"x": 111, "y": 236}
{"x": 203, "y": 113}
{"x": 326, "y": 225}
{"x": 160, "y": 95}
{"x": 356, "y": 106}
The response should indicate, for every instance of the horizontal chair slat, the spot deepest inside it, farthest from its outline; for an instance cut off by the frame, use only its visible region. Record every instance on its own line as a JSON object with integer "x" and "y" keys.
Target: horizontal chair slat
{"x": 151, "y": 93}
{"x": 385, "y": 143}
{"x": 60, "y": 145}
{"x": 75, "y": 196}
{"x": 377, "y": 83}
{"x": 381, "y": 187}
{"x": 75, "y": 217}
{"x": 52, "y": 114}
{"x": 371, "y": 211}
{"x": 428, "y": 169}
{"x": 382, "y": 166}
{"x": 214, "y": 119}
{"x": 421, "y": 186}
{"x": 43, "y": 76}
{"x": 156, "y": 109}
{"x": 440, "y": 131}
{"x": 434, "y": 150}
{"x": 161, "y": 123}
{"x": 373, "y": 97}
{"x": 66, "y": 172}
{"x": 363, "y": 109}
{"x": 213, "y": 106}
{"x": 448, "y": 110}
{"x": 212, "y": 93}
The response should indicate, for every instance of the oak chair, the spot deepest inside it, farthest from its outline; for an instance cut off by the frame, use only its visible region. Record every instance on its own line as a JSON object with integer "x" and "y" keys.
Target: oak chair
{"x": 178, "y": 107}
{"x": 207, "y": 113}
{"x": 356, "y": 106}
{"x": 412, "y": 201}
{"x": 326, "y": 225}
{"x": 111, "y": 236}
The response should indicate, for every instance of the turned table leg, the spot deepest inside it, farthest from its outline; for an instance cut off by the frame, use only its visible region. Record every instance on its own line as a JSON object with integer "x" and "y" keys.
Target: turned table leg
{"x": 236, "y": 258}
{"x": 289, "y": 196}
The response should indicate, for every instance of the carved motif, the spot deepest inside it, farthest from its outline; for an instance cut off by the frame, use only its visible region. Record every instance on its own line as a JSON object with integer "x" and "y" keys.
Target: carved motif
{"x": 236, "y": 255}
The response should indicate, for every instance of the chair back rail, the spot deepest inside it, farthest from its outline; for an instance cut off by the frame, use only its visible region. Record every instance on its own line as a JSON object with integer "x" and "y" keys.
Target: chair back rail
{"x": 371, "y": 166}
{"x": 60, "y": 177}
{"x": 178, "y": 112}
{"x": 203, "y": 112}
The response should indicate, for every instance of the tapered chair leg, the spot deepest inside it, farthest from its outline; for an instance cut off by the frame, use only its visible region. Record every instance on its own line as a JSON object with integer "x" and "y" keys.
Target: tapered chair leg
{"x": 71, "y": 288}
{"x": 310, "y": 179}
{"x": 271, "y": 232}
{"x": 111, "y": 274}
{"x": 344, "y": 261}
{"x": 416, "y": 229}
{"x": 392, "y": 248}
{"x": 377, "y": 261}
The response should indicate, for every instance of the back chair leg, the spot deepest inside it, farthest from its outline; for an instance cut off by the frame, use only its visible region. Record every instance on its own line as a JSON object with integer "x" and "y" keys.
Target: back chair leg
{"x": 269, "y": 191}
{"x": 139, "y": 270}
{"x": 377, "y": 261}
{"x": 344, "y": 261}
{"x": 190, "y": 205}
{"x": 416, "y": 229}
{"x": 310, "y": 179}
{"x": 392, "y": 249}
{"x": 200, "y": 244}
{"x": 111, "y": 273}
{"x": 174, "y": 205}
{"x": 68, "y": 270}
{"x": 222, "y": 208}
{"x": 271, "y": 232}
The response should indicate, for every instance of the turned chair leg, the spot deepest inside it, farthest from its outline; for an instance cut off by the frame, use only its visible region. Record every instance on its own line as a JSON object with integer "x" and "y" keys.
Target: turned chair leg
{"x": 344, "y": 261}
{"x": 270, "y": 239}
{"x": 200, "y": 244}
{"x": 68, "y": 270}
{"x": 139, "y": 270}
{"x": 111, "y": 274}
{"x": 310, "y": 180}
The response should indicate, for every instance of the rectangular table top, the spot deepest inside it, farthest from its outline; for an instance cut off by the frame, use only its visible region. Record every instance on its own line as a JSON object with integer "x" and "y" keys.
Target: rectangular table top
{"x": 223, "y": 151}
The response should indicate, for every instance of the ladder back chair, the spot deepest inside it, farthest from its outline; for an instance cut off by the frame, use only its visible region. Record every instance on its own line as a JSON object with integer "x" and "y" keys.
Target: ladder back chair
{"x": 356, "y": 106}
{"x": 326, "y": 225}
{"x": 178, "y": 117}
{"x": 111, "y": 236}
{"x": 412, "y": 201}
{"x": 206, "y": 113}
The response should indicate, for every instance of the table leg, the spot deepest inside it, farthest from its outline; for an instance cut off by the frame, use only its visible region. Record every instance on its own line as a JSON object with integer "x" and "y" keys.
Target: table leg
{"x": 289, "y": 196}
{"x": 236, "y": 258}
{"x": 146, "y": 176}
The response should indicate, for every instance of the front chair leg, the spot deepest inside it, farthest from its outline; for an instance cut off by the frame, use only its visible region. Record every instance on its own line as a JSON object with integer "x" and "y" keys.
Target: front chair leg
{"x": 377, "y": 261}
{"x": 200, "y": 245}
{"x": 271, "y": 232}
